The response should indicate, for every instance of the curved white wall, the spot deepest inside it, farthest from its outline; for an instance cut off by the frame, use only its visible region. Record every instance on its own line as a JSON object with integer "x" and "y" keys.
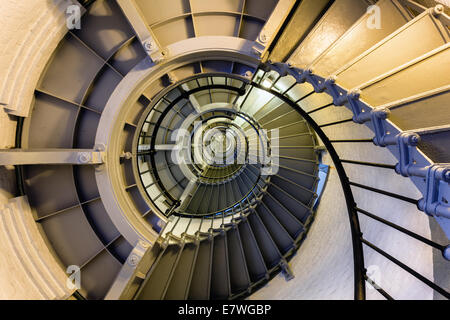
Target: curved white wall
{"x": 31, "y": 30}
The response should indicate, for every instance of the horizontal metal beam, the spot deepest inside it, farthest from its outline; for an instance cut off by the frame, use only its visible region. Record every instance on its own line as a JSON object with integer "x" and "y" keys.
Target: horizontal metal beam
{"x": 165, "y": 147}
{"x": 50, "y": 156}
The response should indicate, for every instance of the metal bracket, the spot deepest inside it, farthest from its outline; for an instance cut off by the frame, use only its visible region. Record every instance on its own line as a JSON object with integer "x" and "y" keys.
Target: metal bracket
{"x": 287, "y": 271}
{"x": 135, "y": 267}
{"x": 303, "y": 75}
{"x": 377, "y": 117}
{"x": 326, "y": 84}
{"x": 437, "y": 194}
{"x": 152, "y": 49}
{"x": 145, "y": 35}
{"x": 339, "y": 95}
{"x": 258, "y": 50}
{"x": 283, "y": 69}
{"x": 407, "y": 143}
{"x": 320, "y": 149}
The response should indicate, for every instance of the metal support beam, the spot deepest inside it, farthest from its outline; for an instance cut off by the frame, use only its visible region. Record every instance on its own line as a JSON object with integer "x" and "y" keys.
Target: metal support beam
{"x": 272, "y": 26}
{"x": 298, "y": 23}
{"x": 166, "y": 147}
{"x": 192, "y": 99}
{"x": 148, "y": 40}
{"x": 50, "y": 156}
{"x": 133, "y": 272}
{"x": 188, "y": 191}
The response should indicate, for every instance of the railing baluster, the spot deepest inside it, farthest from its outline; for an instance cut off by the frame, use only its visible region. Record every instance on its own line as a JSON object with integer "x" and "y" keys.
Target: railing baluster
{"x": 386, "y": 193}
{"x": 378, "y": 288}
{"x": 408, "y": 269}
{"x": 335, "y": 123}
{"x": 406, "y": 231}
{"x": 351, "y": 140}
{"x": 370, "y": 164}
{"x": 321, "y": 108}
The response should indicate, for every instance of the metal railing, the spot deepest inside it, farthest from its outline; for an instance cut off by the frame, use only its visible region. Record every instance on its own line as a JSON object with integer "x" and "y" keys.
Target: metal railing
{"x": 359, "y": 242}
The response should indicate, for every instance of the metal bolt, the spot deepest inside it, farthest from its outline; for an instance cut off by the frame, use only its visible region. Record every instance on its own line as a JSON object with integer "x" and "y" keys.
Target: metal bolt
{"x": 263, "y": 37}
{"x": 447, "y": 175}
{"x": 84, "y": 157}
{"x": 160, "y": 223}
{"x": 128, "y": 155}
{"x": 248, "y": 74}
{"x": 133, "y": 260}
{"x": 354, "y": 94}
{"x": 148, "y": 46}
{"x": 100, "y": 147}
{"x": 446, "y": 253}
{"x": 437, "y": 10}
{"x": 331, "y": 79}
{"x": 144, "y": 244}
{"x": 414, "y": 139}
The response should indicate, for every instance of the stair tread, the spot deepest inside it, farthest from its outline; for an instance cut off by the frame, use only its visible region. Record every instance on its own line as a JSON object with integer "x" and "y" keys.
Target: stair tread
{"x": 201, "y": 279}
{"x": 156, "y": 283}
{"x": 179, "y": 286}
{"x": 220, "y": 281}
{"x": 278, "y": 233}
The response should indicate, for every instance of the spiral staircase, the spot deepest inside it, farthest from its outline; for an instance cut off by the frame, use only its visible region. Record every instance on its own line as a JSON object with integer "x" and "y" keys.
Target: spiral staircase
{"x": 183, "y": 149}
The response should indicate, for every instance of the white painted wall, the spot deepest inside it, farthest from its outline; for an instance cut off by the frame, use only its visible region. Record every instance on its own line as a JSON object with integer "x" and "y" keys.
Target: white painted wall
{"x": 31, "y": 30}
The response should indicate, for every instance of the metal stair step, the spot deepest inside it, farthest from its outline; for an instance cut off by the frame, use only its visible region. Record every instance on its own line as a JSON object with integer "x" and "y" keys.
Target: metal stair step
{"x": 286, "y": 219}
{"x": 297, "y": 152}
{"x": 155, "y": 286}
{"x": 302, "y": 212}
{"x": 239, "y": 277}
{"x": 299, "y": 165}
{"x": 178, "y": 288}
{"x": 220, "y": 281}
{"x": 266, "y": 244}
{"x": 411, "y": 35}
{"x": 278, "y": 233}
{"x": 201, "y": 279}
{"x": 306, "y": 181}
{"x": 254, "y": 260}
{"x": 304, "y": 195}
{"x": 359, "y": 37}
